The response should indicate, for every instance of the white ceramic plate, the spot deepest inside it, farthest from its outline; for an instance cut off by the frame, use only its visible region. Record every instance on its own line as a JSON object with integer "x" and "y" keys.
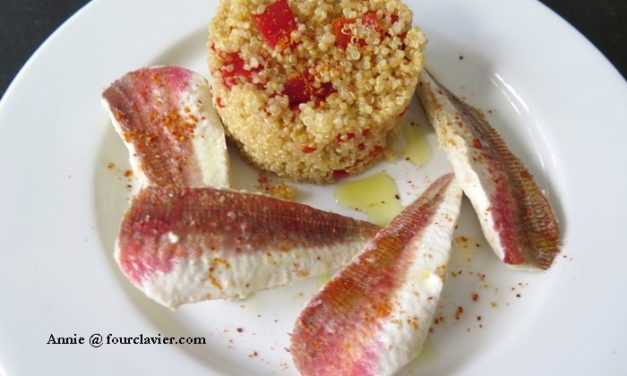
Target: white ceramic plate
{"x": 558, "y": 102}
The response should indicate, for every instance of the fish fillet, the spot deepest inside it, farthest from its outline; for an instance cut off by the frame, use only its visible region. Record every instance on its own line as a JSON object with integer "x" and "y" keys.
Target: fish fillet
{"x": 169, "y": 125}
{"x": 516, "y": 217}
{"x": 183, "y": 245}
{"x": 373, "y": 317}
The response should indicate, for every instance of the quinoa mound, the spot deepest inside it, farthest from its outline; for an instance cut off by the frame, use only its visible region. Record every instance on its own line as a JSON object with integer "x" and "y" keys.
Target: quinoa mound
{"x": 312, "y": 89}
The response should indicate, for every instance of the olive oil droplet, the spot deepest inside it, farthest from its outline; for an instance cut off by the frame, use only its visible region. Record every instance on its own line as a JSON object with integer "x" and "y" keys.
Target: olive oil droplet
{"x": 375, "y": 195}
{"x": 417, "y": 150}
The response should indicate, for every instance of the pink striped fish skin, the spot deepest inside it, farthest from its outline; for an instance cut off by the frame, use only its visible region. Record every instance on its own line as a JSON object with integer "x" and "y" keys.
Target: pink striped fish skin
{"x": 168, "y": 123}
{"x": 516, "y": 217}
{"x": 373, "y": 317}
{"x": 183, "y": 245}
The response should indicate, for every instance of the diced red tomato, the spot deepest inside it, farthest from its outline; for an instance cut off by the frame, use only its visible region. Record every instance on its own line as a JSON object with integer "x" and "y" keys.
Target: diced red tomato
{"x": 229, "y": 77}
{"x": 340, "y": 174}
{"x": 309, "y": 149}
{"x": 300, "y": 89}
{"x": 343, "y": 37}
{"x": 276, "y": 24}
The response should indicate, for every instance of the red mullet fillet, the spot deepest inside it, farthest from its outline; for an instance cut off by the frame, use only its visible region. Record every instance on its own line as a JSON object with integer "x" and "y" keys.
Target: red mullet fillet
{"x": 182, "y": 245}
{"x": 374, "y": 315}
{"x": 516, "y": 217}
{"x": 167, "y": 121}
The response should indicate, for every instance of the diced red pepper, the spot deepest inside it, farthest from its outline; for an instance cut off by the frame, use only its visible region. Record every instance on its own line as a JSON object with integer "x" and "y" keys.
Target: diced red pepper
{"x": 402, "y": 35}
{"x": 299, "y": 89}
{"x": 344, "y": 137}
{"x": 309, "y": 149}
{"x": 229, "y": 77}
{"x": 326, "y": 89}
{"x": 340, "y": 174}
{"x": 276, "y": 24}
{"x": 343, "y": 38}
{"x": 370, "y": 19}
{"x": 376, "y": 151}
{"x": 219, "y": 102}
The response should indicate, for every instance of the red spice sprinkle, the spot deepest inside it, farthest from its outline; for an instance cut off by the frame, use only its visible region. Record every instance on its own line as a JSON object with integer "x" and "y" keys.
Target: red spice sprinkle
{"x": 459, "y": 312}
{"x": 240, "y": 330}
{"x": 397, "y": 197}
{"x": 128, "y": 173}
{"x": 479, "y": 318}
{"x": 475, "y": 297}
{"x": 361, "y": 146}
{"x": 518, "y": 295}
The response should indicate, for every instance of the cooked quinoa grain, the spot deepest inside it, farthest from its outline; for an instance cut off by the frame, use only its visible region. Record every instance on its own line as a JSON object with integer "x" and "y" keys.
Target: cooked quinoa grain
{"x": 312, "y": 89}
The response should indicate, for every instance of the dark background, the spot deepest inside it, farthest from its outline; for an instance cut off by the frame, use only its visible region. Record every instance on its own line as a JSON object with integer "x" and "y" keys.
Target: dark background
{"x": 25, "y": 24}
